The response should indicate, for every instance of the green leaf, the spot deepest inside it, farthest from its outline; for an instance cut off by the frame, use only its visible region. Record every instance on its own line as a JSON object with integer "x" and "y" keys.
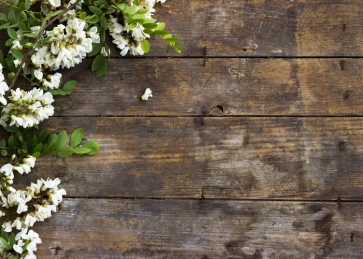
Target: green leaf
{"x": 130, "y": 9}
{"x": 27, "y": 4}
{"x": 12, "y": 239}
{"x": 36, "y": 154}
{"x": 138, "y": 17}
{"x": 17, "y": 54}
{"x": 2, "y": 143}
{"x": 142, "y": 11}
{"x": 12, "y": 33}
{"x": 96, "y": 47}
{"x": 4, "y": 234}
{"x": 161, "y": 33}
{"x": 32, "y": 139}
{"x": 3, "y": 17}
{"x": 76, "y": 137}
{"x": 43, "y": 135}
{"x": 5, "y": 25}
{"x": 52, "y": 14}
{"x": 172, "y": 40}
{"x": 122, "y": 6}
{"x": 104, "y": 23}
{"x": 97, "y": 62}
{"x": 69, "y": 85}
{"x": 92, "y": 19}
{"x": 95, "y": 10}
{"x": 160, "y": 26}
{"x": 11, "y": 141}
{"x": 93, "y": 145}
{"x": 51, "y": 145}
{"x": 15, "y": 2}
{"x": 15, "y": 257}
{"x": 4, "y": 152}
{"x": 5, "y": 244}
{"x": 81, "y": 150}
{"x": 38, "y": 148}
{"x": 145, "y": 45}
{"x": 33, "y": 34}
{"x": 61, "y": 140}
{"x": 148, "y": 31}
{"x": 101, "y": 71}
{"x": 150, "y": 25}
{"x": 178, "y": 49}
{"x": 65, "y": 152}
{"x": 132, "y": 25}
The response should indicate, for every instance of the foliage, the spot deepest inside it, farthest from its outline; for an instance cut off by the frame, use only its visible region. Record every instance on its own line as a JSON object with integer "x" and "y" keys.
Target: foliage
{"x": 44, "y": 37}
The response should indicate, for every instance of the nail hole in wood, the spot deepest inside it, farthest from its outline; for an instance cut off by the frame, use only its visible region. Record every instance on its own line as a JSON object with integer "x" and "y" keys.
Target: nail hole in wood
{"x": 342, "y": 64}
{"x": 341, "y": 146}
{"x": 346, "y": 94}
{"x": 220, "y": 107}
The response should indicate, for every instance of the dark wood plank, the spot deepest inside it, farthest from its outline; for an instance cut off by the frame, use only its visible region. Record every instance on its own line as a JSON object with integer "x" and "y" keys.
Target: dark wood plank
{"x": 232, "y": 158}
{"x": 99, "y": 228}
{"x": 261, "y": 28}
{"x": 222, "y": 87}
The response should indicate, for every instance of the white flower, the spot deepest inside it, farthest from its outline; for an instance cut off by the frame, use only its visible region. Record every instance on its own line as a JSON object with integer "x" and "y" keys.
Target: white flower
{"x": 22, "y": 207}
{"x": 55, "y": 3}
{"x": 105, "y": 53}
{"x": 57, "y": 196}
{"x": 29, "y": 220}
{"x": 19, "y": 246}
{"x": 146, "y": 95}
{"x": 3, "y": 87}
{"x": 7, "y": 227}
{"x": 17, "y": 224}
{"x": 38, "y": 74}
{"x": 94, "y": 35}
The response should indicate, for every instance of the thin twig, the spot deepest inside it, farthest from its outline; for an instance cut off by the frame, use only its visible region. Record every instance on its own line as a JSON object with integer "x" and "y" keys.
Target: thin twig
{"x": 18, "y": 71}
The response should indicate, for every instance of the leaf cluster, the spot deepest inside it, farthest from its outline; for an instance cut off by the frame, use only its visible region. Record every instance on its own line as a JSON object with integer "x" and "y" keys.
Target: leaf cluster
{"x": 44, "y": 143}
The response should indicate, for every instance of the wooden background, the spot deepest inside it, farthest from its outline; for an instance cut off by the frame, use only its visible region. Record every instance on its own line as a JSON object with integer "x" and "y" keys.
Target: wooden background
{"x": 252, "y": 146}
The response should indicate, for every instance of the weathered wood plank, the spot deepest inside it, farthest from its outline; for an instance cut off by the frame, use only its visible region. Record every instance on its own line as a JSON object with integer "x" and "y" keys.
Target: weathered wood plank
{"x": 89, "y": 228}
{"x": 261, "y": 28}
{"x": 238, "y": 86}
{"x": 232, "y": 158}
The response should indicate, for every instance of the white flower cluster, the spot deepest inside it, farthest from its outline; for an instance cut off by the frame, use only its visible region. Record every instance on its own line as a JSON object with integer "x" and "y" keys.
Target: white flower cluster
{"x": 27, "y": 109}
{"x": 68, "y": 46}
{"x": 44, "y": 196}
{"x": 127, "y": 39}
{"x": 3, "y": 87}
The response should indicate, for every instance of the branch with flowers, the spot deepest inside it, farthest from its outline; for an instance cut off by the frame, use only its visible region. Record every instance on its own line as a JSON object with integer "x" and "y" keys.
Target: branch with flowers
{"x": 44, "y": 37}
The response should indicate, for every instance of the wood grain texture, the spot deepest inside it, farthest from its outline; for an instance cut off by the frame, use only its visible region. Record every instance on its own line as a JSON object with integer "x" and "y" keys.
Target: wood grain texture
{"x": 193, "y": 229}
{"x": 238, "y": 86}
{"x": 231, "y": 158}
{"x": 260, "y": 28}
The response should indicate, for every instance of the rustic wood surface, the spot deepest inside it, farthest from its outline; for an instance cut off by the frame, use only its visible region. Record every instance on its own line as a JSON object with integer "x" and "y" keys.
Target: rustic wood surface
{"x": 238, "y": 86}
{"x": 251, "y": 146}
{"x": 229, "y": 158}
{"x": 188, "y": 229}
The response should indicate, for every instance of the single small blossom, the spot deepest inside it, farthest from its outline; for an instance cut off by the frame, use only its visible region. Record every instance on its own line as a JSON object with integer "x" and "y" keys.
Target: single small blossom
{"x": 146, "y": 95}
